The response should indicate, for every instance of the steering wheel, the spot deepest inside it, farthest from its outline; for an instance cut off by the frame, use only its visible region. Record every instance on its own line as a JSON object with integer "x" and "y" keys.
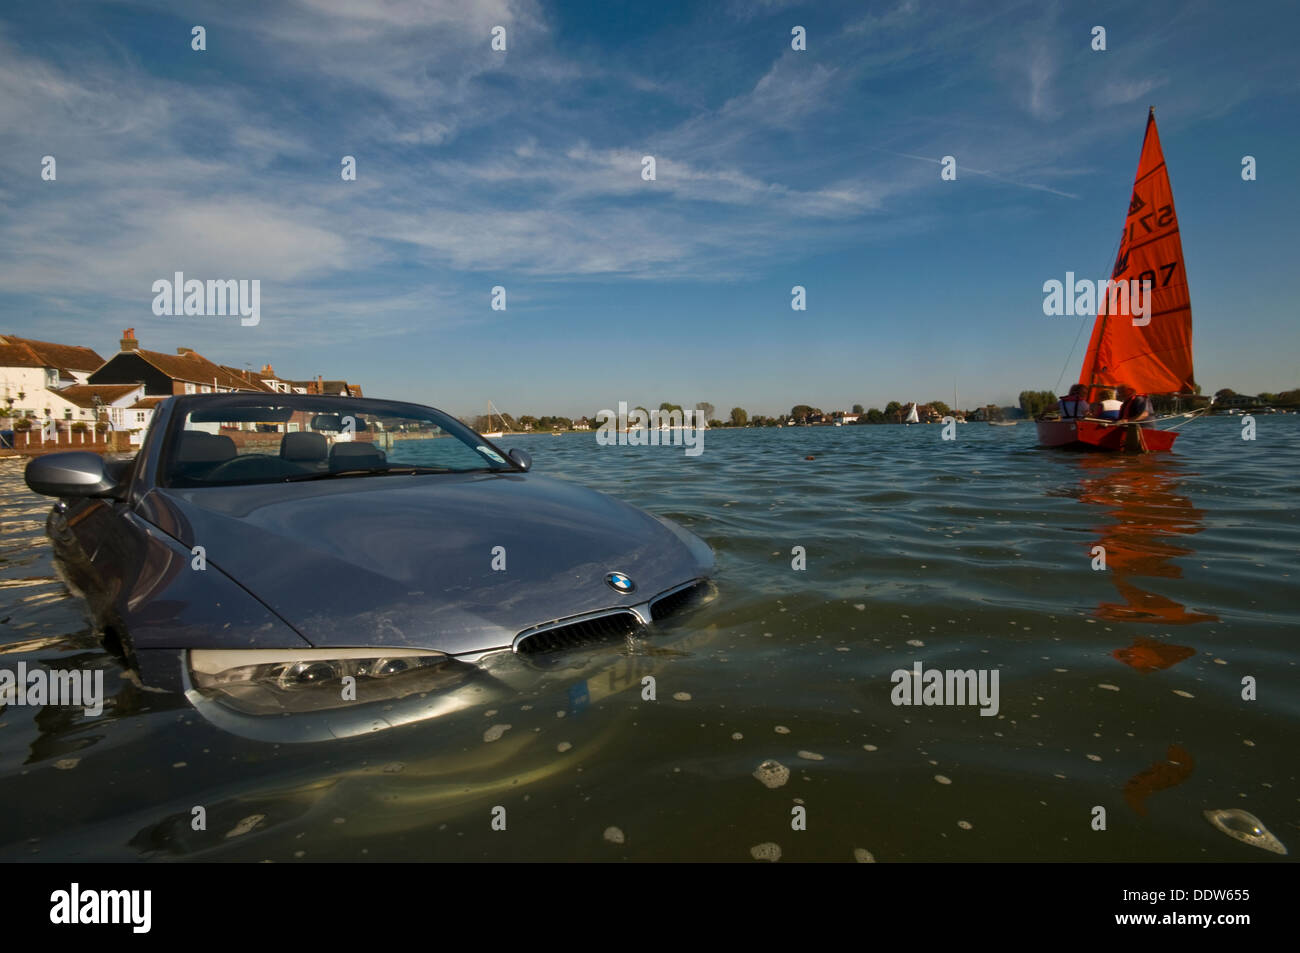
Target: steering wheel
{"x": 252, "y": 466}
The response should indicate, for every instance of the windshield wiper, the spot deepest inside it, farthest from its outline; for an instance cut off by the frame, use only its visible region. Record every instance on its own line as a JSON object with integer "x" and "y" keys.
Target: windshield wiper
{"x": 386, "y": 471}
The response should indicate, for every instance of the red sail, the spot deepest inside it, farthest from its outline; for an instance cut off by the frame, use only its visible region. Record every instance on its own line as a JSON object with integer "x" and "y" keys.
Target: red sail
{"x": 1153, "y": 356}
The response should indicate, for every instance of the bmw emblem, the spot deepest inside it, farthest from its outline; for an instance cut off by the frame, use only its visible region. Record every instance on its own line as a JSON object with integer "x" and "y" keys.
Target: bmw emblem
{"x": 619, "y": 582}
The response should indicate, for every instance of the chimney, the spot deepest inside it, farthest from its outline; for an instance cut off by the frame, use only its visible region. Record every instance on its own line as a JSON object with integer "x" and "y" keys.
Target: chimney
{"x": 184, "y": 351}
{"x": 268, "y": 371}
{"x": 129, "y": 342}
{"x": 320, "y": 384}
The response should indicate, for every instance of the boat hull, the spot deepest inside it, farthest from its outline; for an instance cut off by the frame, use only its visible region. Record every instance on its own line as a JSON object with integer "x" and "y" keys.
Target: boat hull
{"x": 1099, "y": 435}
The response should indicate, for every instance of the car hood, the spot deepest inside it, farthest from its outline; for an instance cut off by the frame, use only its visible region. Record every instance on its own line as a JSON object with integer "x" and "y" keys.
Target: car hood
{"x": 413, "y": 561}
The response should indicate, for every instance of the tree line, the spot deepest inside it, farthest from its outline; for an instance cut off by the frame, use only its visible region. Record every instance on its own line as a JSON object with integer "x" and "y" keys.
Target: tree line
{"x": 1030, "y": 403}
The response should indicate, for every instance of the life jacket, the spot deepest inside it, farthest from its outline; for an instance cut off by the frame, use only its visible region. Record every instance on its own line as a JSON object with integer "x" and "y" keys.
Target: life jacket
{"x": 1135, "y": 405}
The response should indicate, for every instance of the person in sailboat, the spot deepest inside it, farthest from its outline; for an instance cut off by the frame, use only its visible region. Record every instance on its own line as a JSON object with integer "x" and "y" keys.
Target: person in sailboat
{"x": 1075, "y": 404}
{"x": 1108, "y": 407}
{"x": 1135, "y": 406}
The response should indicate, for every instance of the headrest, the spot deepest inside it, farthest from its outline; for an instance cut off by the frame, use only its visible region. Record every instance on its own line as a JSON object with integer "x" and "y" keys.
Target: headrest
{"x": 312, "y": 447}
{"x": 353, "y": 455}
{"x": 196, "y": 446}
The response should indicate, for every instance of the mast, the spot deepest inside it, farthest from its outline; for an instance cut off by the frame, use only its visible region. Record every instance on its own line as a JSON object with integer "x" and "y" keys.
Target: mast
{"x": 1105, "y": 312}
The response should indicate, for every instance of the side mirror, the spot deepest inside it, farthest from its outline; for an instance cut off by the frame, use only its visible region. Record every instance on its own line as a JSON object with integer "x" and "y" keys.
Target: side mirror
{"x": 74, "y": 474}
{"x": 522, "y": 458}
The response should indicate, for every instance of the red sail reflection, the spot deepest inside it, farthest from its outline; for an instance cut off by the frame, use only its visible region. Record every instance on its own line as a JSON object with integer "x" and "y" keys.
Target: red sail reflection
{"x": 1149, "y": 523}
{"x": 1148, "y": 655}
{"x": 1175, "y": 769}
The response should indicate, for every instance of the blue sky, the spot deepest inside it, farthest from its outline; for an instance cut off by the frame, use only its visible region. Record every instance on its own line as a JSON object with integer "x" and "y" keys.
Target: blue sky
{"x": 522, "y": 169}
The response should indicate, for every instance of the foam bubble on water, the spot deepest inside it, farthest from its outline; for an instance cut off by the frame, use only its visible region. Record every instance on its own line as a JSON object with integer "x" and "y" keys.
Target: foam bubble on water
{"x": 860, "y": 606}
{"x": 1245, "y": 827}
{"x": 811, "y": 756}
{"x": 489, "y": 713}
{"x": 781, "y": 730}
{"x": 682, "y": 696}
{"x": 916, "y": 643}
{"x": 767, "y": 851}
{"x": 736, "y": 736}
{"x": 1108, "y": 687}
{"x": 863, "y": 856}
{"x": 965, "y": 825}
{"x": 394, "y": 767}
{"x": 563, "y": 746}
{"x": 1247, "y": 742}
{"x": 942, "y": 780}
{"x": 246, "y": 825}
{"x": 495, "y": 732}
{"x": 870, "y": 748}
{"x": 1183, "y": 694}
{"x": 772, "y": 774}
{"x": 614, "y": 835}
{"x": 67, "y": 764}
{"x": 1094, "y": 757}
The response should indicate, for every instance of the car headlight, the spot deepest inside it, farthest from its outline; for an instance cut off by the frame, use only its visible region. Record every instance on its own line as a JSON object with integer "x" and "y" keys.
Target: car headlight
{"x": 273, "y": 681}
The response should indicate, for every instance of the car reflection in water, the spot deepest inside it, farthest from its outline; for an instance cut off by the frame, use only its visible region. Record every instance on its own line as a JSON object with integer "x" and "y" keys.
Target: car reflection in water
{"x": 447, "y": 769}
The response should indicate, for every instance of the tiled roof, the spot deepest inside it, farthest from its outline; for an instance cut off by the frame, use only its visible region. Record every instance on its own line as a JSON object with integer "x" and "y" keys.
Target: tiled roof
{"x": 250, "y": 378}
{"x": 25, "y": 352}
{"x": 147, "y": 403}
{"x": 195, "y": 368}
{"x": 83, "y": 395}
{"x": 327, "y": 387}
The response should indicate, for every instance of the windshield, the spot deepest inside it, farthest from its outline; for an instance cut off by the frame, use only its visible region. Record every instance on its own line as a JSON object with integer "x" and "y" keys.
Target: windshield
{"x": 246, "y": 438}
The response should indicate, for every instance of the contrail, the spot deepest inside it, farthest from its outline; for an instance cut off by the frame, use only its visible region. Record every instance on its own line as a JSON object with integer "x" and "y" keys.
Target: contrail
{"x": 987, "y": 174}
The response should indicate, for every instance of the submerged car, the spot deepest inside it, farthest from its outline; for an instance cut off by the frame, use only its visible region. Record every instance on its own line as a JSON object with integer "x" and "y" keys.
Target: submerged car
{"x": 360, "y": 563}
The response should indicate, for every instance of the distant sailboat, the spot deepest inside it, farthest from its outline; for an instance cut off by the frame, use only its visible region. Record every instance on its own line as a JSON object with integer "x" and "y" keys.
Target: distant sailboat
{"x": 495, "y": 433}
{"x": 912, "y": 416}
{"x": 1153, "y": 356}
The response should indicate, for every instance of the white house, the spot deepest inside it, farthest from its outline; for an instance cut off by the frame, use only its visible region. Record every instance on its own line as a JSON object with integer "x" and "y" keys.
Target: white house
{"x": 33, "y": 372}
{"x": 116, "y": 401}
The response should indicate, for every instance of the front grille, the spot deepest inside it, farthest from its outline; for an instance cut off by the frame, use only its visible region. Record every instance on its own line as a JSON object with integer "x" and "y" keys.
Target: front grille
{"x": 606, "y": 628}
{"x": 675, "y": 602}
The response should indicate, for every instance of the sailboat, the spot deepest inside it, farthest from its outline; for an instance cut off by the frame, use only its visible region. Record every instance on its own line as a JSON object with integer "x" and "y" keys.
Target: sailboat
{"x": 1152, "y": 355}
{"x": 912, "y": 417}
{"x": 495, "y": 433}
